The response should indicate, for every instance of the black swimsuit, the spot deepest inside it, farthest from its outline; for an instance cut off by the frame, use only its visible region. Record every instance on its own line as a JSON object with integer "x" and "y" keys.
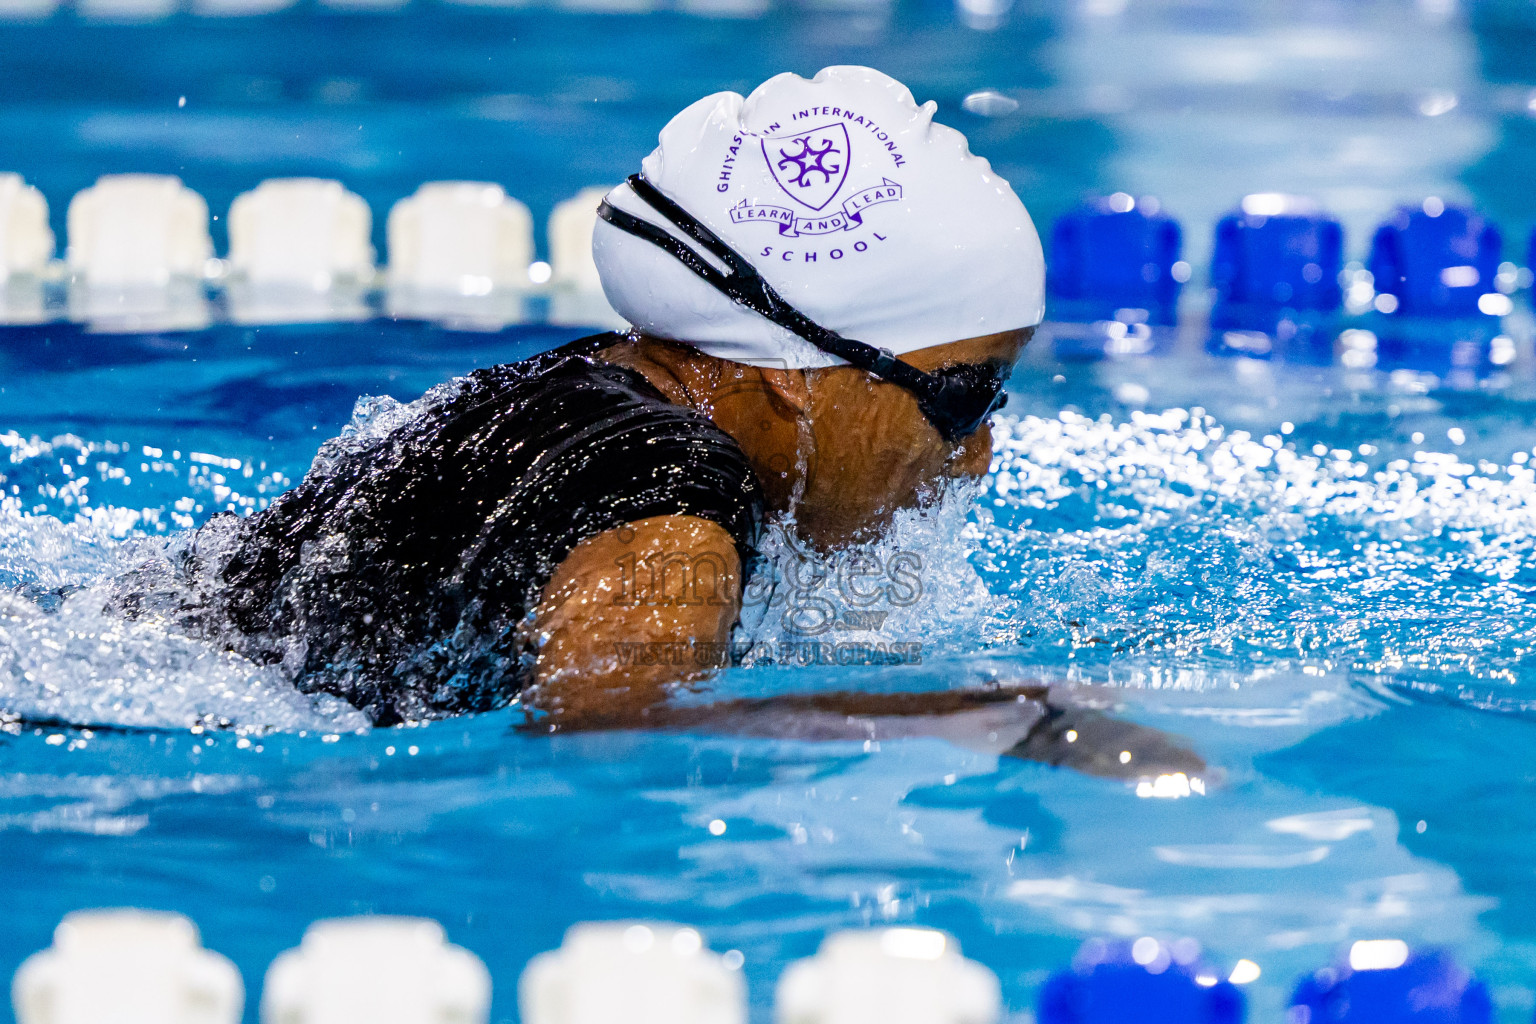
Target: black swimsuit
{"x": 396, "y": 576}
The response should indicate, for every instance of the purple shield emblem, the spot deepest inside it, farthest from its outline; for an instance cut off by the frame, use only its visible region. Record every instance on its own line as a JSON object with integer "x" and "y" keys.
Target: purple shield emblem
{"x": 809, "y": 166}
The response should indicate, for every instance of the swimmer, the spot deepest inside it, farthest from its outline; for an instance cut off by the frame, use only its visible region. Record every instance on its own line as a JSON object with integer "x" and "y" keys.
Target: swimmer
{"x": 828, "y": 292}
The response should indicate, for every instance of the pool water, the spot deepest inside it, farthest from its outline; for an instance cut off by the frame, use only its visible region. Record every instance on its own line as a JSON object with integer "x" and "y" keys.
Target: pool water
{"x": 1319, "y": 576}
{"x": 1340, "y": 634}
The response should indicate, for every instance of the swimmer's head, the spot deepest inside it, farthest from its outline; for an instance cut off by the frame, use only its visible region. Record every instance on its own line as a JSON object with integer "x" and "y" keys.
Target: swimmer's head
{"x": 850, "y": 201}
{"x": 838, "y": 448}
{"x": 873, "y": 221}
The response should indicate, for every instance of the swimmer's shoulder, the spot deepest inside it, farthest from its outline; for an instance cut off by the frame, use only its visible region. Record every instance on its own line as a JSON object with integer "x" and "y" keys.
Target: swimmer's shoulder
{"x": 605, "y": 438}
{"x": 575, "y": 378}
{"x": 574, "y": 364}
{"x": 569, "y": 357}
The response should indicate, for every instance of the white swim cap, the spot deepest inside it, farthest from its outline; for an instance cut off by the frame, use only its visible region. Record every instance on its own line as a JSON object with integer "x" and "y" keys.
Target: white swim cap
{"x": 850, "y": 201}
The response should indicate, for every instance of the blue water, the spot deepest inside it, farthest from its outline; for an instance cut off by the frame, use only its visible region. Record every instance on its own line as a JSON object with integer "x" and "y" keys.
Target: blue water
{"x": 1319, "y": 576}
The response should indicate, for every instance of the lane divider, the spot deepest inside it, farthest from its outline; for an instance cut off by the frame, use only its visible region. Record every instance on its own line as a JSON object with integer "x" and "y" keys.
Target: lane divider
{"x": 26, "y": 241}
{"x": 128, "y": 966}
{"x": 889, "y": 974}
{"x": 139, "y": 257}
{"x": 300, "y": 233}
{"x": 137, "y": 231}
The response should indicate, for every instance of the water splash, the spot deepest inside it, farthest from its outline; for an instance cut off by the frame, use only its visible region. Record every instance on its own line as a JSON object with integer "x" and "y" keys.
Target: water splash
{"x": 120, "y": 489}
{"x": 69, "y": 566}
{"x": 375, "y": 417}
{"x": 1167, "y": 536}
{"x": 1145, "y": 548}
{"x": 85, "y": 664}
{"x": 68, "y": 654}
{"x": 914, "y": 585}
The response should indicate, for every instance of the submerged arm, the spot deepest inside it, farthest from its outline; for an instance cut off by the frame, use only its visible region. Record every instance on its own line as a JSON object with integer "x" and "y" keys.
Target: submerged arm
{"x": 1031, "y": 722}
{"x": 632, "y": 611}
{"x": 629, "y": 612}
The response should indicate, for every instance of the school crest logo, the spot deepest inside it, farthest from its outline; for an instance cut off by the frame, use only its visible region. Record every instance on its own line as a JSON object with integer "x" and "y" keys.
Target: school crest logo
{"x": 811, "y": 168}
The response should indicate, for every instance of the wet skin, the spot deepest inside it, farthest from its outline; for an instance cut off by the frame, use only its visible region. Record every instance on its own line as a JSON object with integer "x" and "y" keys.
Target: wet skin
{"x": 855, "y": 447}
{"x": 844, "y": 451}
{"x": 839, "y": 447}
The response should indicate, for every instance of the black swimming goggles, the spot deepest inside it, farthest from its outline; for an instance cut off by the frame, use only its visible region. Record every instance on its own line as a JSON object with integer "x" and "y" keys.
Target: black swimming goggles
{"x": 956, "y": 399}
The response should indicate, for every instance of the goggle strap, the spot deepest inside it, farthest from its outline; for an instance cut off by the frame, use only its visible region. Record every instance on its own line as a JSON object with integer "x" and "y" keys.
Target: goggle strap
{"x": 641, "y": 228}
{"x": 747, "y": 287}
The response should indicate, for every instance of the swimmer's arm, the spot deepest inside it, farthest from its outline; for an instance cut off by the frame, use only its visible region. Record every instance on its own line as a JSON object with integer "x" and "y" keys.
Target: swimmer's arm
{"x": 628, "y": 613}
{"x": 1060, "y": 726}
{"x": 610, "y": 647}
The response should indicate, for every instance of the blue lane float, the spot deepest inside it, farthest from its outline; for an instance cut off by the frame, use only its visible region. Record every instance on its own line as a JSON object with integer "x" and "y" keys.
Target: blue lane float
{"x": 1435, "y": 260}
{"x": 1276, "y": 273}
{"x": 1114, "y": 278}
{"x": 1141, "y": 982}
{"x": 1437, "y": 307}
{"x": 1383, "y": 982}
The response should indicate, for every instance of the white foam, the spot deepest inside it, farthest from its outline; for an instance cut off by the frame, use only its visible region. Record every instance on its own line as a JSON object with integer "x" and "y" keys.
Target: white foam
{"x": 67, "y": 653}
{"x": 375, "y": 417}
{"x": 88, "y": 665}
{"x": 914, "y": 585}
{"x": 1172, "y": 536}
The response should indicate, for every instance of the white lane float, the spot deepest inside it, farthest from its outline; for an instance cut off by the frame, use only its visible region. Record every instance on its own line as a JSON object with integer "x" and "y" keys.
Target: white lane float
{"x": 132, "y": 230}
{"x": 26, "y": 240}
{"x": 383, "y": 970}
{"x": 302, "y": 232}
{"x": 577, "y": 295}
{"x": 26, "y": 247}
{"x": 138, "y": 248}
{"x": 888, "y": 976}
{"x": 459, "y": 253}
{"x": 127, "y": 967}
{"x": 300, "y": 251}
{"x": 639, "y": 972}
